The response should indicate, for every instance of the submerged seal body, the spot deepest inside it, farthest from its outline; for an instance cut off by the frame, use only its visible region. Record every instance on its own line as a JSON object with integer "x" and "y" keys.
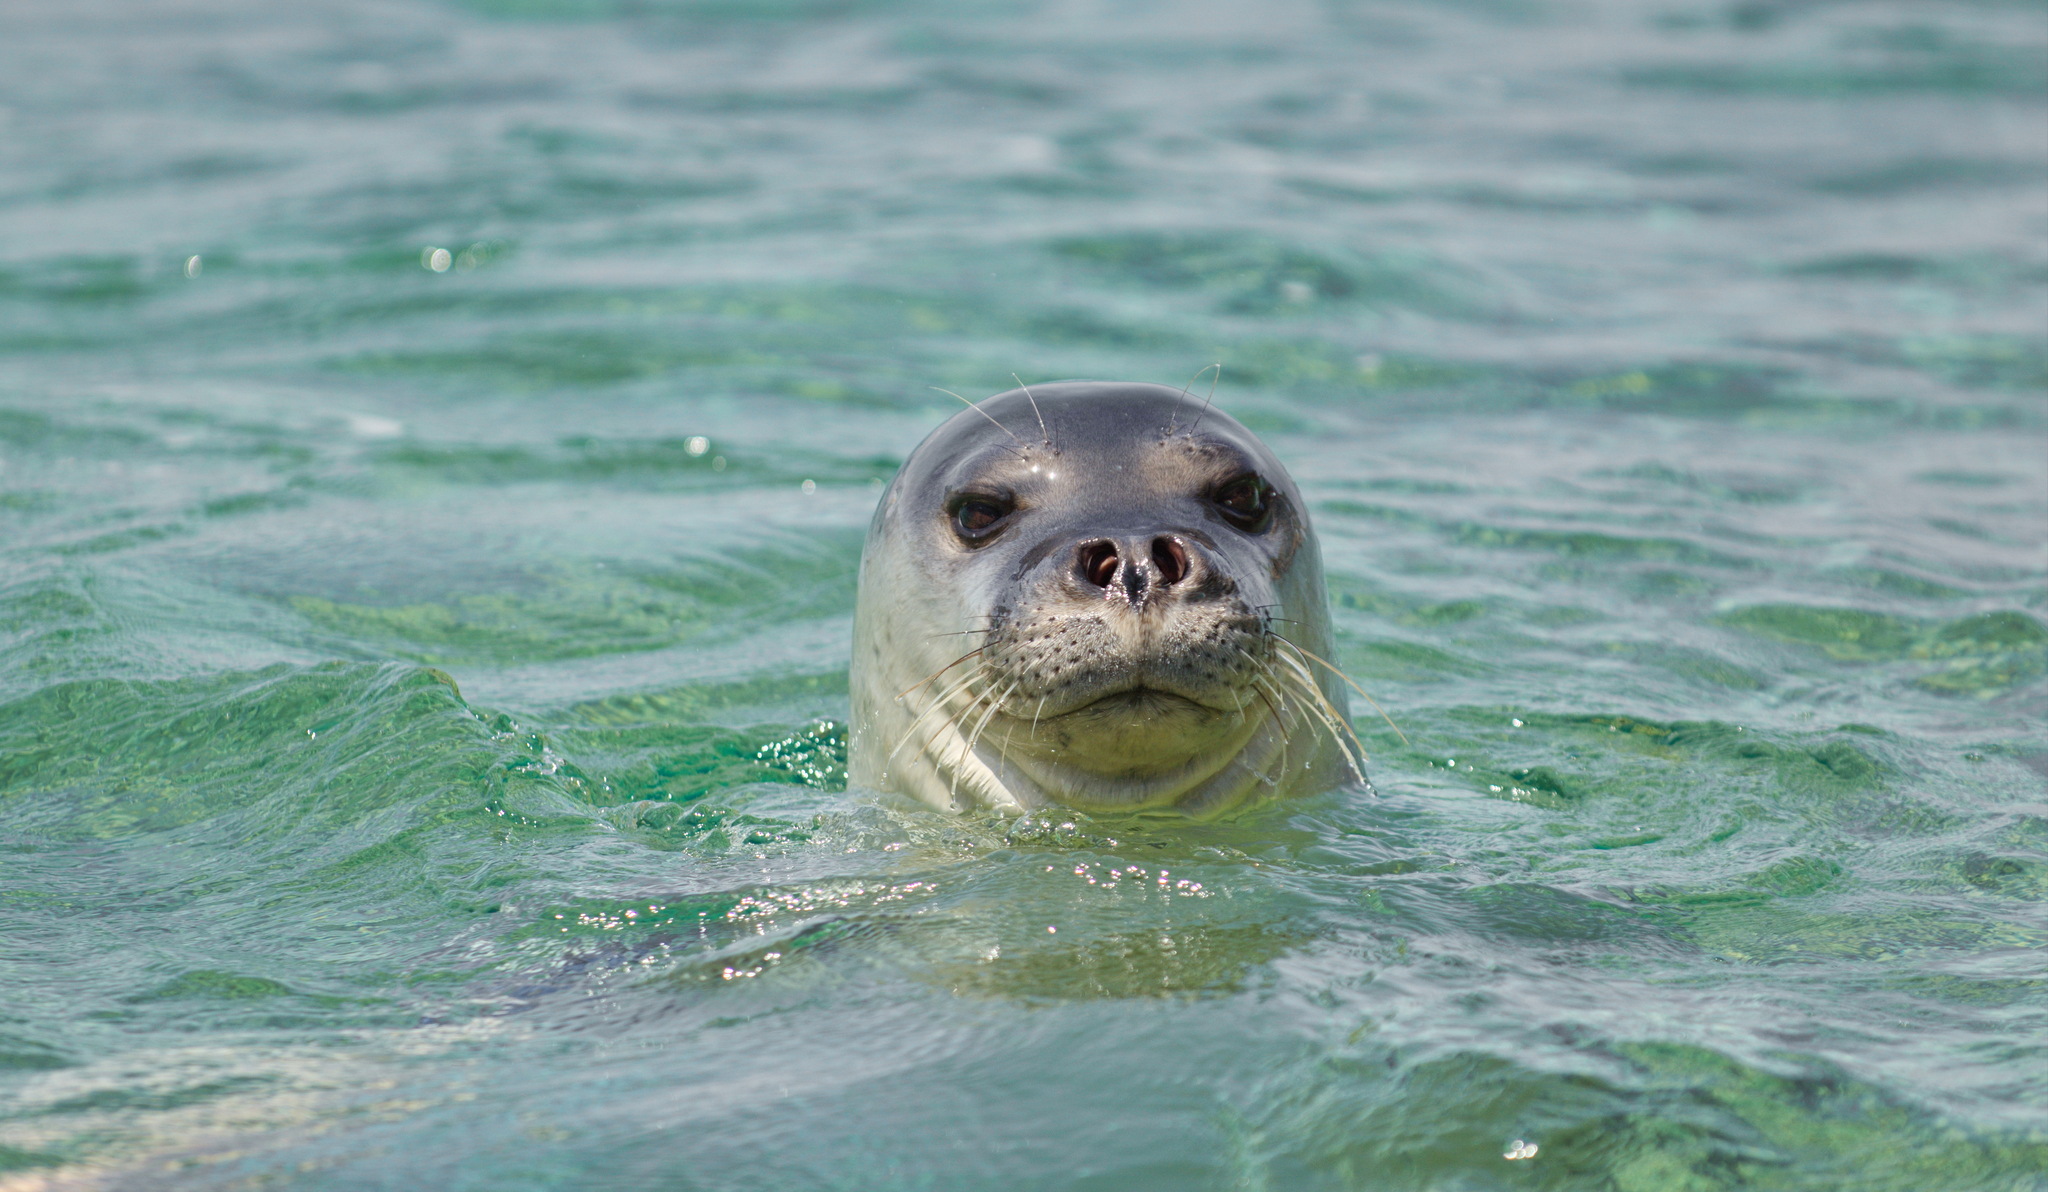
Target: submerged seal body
{"x": 1094, "y": 595}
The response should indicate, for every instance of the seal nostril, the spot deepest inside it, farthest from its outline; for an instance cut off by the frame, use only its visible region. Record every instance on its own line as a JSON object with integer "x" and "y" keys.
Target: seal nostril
{"x": 1171, "y": 559}
{"x": 1098, "y": 563}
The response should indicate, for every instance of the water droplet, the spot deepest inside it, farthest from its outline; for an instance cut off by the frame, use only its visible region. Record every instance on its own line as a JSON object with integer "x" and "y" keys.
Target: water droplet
{"x": 193, "y": 265}
{"x": 696, "y": 444}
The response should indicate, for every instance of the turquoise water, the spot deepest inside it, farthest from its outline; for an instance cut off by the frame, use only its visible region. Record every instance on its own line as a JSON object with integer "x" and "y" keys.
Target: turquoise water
{"x": 434, "y": 446}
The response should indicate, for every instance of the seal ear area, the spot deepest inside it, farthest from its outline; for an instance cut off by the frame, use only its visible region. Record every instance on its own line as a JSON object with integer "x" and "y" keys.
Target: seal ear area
{"x": 978, "y": 517}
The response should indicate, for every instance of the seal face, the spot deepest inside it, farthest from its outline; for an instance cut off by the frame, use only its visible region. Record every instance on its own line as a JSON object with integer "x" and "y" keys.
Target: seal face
{"x": 1094, "y": 595}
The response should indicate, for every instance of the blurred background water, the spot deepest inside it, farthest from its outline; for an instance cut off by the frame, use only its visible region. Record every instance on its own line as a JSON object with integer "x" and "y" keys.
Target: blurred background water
{"x": 435, "y": 440}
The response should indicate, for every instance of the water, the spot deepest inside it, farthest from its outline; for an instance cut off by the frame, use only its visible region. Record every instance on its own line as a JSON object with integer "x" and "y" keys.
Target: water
{"x": 422, "y": 675}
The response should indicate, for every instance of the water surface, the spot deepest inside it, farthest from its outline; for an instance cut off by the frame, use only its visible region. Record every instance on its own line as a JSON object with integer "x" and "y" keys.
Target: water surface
{"x": 434, "y": 446}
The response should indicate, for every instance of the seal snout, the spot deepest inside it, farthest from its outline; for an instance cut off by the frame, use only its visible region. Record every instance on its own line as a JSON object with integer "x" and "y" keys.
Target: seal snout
{"x": 1132, "y": 568}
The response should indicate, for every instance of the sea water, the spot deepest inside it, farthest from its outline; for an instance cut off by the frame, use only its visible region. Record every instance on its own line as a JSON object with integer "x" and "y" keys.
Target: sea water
{"x": 435, "y": 444}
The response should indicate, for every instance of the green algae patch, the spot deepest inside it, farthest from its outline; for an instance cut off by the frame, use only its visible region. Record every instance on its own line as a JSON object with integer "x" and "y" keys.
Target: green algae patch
{"x": 1351, "y": 592}
{"x": 1848, "y": 634}
{"x": 168, "y": 754}
{"x": 744, "y": 12}
{"x": 698, "y": 703}
{"x": 1666, "y": 1117}
{"x": 1982, "y": 655}
{"x": 677, "y": 761}
{"x": 1983, "y": 362}
{"x": 1700, "y": 666}
{"x": 1184, "y": 962}
{"x": 1408, "y": 661}
{"x": 505, "y": 627}
{"x": 1252, "y": 275}
{"x": 208, "y": 983}
{"x": 596, "y": 918}
{"x": 17, "y": 1159}
{"x": 1796, "y": 876}
{"x": 1688, "y": 388}
{"x": 555, "y": 613}
{"x": 1593, "y": 544}
{"x": 1313, "y": 368}
{"x": 1961, "y": 70}
{"x": 1543, "y": 785}
{"x": 555, "y": 359}
{"x": 1586, "y": 771}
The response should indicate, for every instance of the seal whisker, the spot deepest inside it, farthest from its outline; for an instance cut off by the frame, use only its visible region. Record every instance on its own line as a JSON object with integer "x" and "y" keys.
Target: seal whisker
{"x": 984, "y": 413}
{"x": 1044, "y": 434}
{"x": 1197, "y": 424}
{"x": 1286, "y": 735}
{"x": 1291, "y": 717}
{"x": 1259, "y": 666}
{"x": 1305, "y": 679}
{"x": 955, "y": 688}
{"x": 1354, "y": 686}
{"x": 967, "y": 742}
{"x": 951, "y": 720}
{"x": 1331, "y": 724}
{"x": 942, "y": 670}
{"x": 938, "y": 704}
{"x": 1173, "y": 423}
{"x": 995, "y": 705}
{"x": 1258, "y": 689}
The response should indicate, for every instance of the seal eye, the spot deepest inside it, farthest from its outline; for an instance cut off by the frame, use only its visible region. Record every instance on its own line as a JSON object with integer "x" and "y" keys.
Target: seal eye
{"x": 979, "y": 517}
{"x": 1245, "y": 502}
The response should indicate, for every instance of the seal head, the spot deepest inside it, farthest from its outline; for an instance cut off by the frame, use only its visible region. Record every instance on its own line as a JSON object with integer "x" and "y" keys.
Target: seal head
{"x": 1094, "y": 595}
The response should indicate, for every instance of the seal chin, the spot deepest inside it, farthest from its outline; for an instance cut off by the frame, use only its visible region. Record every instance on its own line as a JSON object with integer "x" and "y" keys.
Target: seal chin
{"x": 1149, "y": 697}
{"x": 1144, "y": 703}
{"x": 1137, "y": 731}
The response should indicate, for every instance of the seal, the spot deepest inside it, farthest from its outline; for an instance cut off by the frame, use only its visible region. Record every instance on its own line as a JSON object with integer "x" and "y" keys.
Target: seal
{"x": 1096, "y": 595}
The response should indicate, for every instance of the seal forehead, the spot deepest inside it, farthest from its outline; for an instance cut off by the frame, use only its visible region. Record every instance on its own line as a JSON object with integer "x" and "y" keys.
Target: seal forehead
{"x": 1145, "y": 467}
{"x": 1097, "y": 427}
